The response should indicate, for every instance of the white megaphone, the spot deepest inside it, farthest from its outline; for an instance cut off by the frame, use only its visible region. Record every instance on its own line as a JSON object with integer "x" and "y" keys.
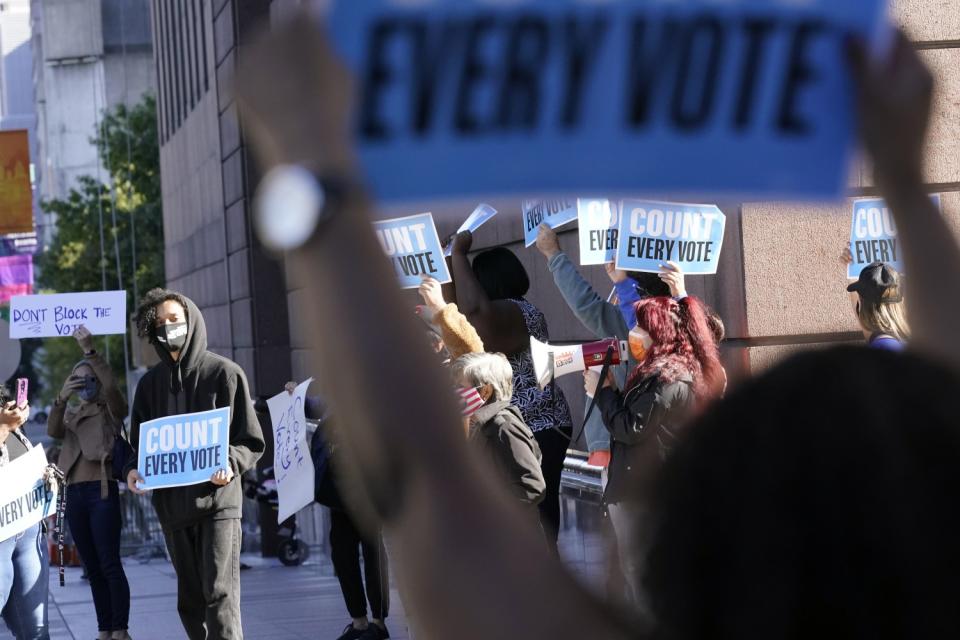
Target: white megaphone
{"x": 552, "y": 361}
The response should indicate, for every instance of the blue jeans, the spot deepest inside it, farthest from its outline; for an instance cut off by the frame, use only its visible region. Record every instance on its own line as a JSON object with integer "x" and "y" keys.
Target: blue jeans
{"x": 95, "y": 524}
{"x": 23, "y": 584}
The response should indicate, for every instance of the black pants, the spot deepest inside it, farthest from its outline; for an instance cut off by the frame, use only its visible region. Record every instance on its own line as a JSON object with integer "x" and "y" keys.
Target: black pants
{"x": 346, "y": 543}
{"x": 553, "y": 448}
{"x": 95, "y": 525}
{"x": 631, "y": 525}
{"x": 206, "y": 557}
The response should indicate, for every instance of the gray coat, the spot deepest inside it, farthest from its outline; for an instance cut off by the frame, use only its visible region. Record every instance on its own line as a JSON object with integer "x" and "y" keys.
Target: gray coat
{"x": 501, "y": 436}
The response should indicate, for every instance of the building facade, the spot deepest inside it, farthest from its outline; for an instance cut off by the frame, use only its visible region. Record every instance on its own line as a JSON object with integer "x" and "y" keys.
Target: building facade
{"x": 88, "y": 57}
{"x": 780, "y": 286}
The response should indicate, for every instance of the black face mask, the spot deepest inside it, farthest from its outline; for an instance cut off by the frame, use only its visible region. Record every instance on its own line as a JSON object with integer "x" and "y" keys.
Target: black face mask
{"x": 172, "y": 336}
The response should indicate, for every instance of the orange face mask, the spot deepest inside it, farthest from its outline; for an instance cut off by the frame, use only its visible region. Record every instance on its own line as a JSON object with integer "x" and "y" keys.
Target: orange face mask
{"x": 640, "y": 342}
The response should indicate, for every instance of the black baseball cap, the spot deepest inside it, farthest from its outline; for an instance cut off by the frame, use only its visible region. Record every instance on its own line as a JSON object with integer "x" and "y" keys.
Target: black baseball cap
{"x": 878, "y": 282}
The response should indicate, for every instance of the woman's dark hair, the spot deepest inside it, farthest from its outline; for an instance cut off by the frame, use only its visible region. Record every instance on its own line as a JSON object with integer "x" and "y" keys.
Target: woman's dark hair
{"x": 651, "y": 283}
{"x": 146, "y": 317}
{"x": 716, "y": 324}
{"x": 501, "y": 274}
{"x": 816, "y": 501}
{"x": 5, "y": 395}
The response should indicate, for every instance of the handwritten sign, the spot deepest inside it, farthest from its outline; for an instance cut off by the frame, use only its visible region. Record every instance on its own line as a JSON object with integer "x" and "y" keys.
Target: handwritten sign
{"x": 292, "y": 465}
{"x": 555, "y": 213}
{"x": 652, "y": 233}
{"x": 873, "y": 235}
{"x": 59, "y": 314}
{"x": 474, "y": 221}
{"x": 413, "y": 247}
{"x": 25, "y": 499}
{"x": 461, "y": 97}
{"x": 599, "y": 222}
{"x": 186, "y": 449}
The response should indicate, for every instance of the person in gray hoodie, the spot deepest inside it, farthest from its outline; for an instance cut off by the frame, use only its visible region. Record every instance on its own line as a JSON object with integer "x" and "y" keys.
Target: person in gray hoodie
{"x": 201, "y": 523}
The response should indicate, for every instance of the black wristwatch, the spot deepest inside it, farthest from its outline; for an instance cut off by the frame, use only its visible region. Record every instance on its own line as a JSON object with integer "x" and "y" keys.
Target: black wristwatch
{"x": 292, "y": 203}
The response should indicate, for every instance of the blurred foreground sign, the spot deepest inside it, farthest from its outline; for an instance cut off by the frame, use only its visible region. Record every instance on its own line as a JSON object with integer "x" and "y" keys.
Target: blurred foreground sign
{"x": 475, "y": 97}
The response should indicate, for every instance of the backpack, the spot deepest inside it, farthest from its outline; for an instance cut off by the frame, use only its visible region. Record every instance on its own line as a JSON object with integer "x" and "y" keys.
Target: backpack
{"x": 324, "y": 485}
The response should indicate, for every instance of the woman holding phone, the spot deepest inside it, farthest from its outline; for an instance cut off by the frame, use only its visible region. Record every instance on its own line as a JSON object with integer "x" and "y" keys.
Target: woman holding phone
{"x": 88, "y": 429}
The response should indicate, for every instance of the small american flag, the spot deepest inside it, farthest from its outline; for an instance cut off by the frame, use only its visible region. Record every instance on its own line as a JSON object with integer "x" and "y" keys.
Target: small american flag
{"x": 470, "y": 401}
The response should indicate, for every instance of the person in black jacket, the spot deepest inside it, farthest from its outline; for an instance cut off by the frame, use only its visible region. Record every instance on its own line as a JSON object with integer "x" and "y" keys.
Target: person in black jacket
{"x": 201, "y": 523}
{"x": 678, "y": 367}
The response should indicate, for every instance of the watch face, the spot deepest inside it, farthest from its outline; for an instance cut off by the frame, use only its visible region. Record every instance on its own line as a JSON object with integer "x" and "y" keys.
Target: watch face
{"x": 288, "y": 206}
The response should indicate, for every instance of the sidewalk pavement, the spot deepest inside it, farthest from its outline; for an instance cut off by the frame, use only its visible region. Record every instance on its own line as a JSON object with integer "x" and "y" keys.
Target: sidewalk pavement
{"x": 278, "y": 602}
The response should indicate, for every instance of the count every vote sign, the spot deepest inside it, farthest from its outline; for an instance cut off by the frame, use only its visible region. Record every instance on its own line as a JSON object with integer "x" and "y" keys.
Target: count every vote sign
{"x": 873, "y": 235}
{"x": 413, "y": 247}
{"x": 185, "y": 449}
{"x": 653, "y": 233}
{"x": 702, "y": 97}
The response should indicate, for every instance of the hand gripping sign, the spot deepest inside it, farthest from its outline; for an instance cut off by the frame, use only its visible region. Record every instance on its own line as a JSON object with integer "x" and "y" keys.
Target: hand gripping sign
{"x": 653, "y": 233}
{"x": 181, "y": 450}
{"x": 474, "y": 221}
{"x": 552, "y": 361}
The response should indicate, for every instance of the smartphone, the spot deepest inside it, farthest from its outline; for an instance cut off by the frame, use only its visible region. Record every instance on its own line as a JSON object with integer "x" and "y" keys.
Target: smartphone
{"x": 22, "y": 386}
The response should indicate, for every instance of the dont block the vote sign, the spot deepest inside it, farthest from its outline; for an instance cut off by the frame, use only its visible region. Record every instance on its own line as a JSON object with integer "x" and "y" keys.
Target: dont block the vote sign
{"x": 653, "y": 233}
{"x": 702, "y": 97}
{"x": 59, "y": 314}
{"x": 185, "y": 449}
{"x": 873, "y": 235}
{"x": 414, "y": 248}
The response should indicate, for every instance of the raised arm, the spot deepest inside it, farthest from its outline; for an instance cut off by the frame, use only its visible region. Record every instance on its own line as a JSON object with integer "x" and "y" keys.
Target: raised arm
{"x": 459, "y": 336}
{"x": 598, "y": 316}
{"x": 895, "y": 97}
{"x": 406, "y": 445}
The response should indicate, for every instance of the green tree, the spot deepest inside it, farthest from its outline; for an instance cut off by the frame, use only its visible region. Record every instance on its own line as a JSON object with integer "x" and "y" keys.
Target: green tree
{"x": 129, "y": 148}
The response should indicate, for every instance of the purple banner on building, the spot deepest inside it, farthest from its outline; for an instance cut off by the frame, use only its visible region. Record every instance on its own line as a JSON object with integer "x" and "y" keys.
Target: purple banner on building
{"x": 16, "y": 276}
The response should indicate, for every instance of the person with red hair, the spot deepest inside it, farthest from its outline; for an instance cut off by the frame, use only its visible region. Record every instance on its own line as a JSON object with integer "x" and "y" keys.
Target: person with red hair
{"x": 678, "y": 371}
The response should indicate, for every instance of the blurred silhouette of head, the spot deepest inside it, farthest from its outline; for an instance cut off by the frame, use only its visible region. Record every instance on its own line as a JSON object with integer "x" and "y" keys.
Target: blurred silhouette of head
{"x": 818, "y": 500}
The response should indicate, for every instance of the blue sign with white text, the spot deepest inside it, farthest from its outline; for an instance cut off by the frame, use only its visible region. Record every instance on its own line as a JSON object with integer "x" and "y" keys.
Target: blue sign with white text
{"x": 474, "y": 98}
{"x": 186, "y": 449}
{"x": 654, "y": 233}
{"x": 413, "y": 247}
{"x": 599, "y": 222}
{"x": 554, "y": 213}
{"x": 873, "y": 236}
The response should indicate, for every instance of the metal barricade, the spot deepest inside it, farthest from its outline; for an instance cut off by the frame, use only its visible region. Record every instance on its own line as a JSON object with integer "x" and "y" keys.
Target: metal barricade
{"x": 141, "y": 535}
